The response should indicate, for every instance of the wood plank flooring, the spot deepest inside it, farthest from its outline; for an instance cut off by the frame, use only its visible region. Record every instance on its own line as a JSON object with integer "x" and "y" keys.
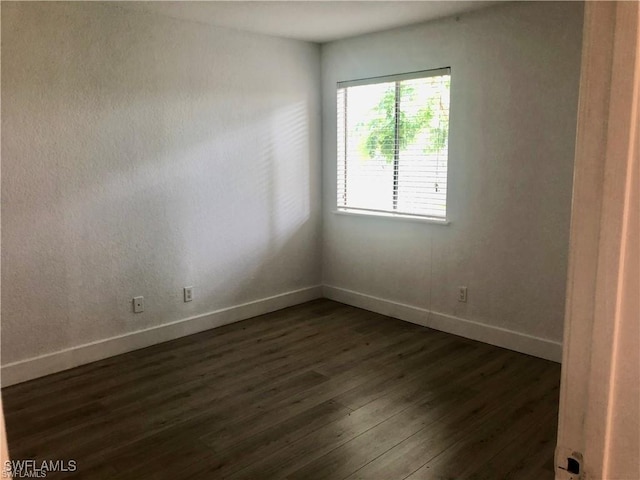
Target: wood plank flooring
{"x": 317, "y": 391}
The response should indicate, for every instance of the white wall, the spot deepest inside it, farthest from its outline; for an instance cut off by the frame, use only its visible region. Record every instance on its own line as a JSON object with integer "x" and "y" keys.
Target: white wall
{"x": 514, "y": 90}
{"x": 141, "y": 154}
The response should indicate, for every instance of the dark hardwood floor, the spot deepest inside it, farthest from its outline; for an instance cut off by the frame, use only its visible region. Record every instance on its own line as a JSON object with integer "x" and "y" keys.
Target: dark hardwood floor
{"x": 317, "y": 391}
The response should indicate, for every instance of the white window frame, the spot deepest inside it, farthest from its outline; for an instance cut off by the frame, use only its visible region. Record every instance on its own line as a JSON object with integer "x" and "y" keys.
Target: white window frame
{"x": 347, "y": 210}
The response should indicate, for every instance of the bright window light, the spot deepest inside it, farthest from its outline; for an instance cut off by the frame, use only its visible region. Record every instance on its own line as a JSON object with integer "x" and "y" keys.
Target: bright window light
{"x": 393, "y": 138}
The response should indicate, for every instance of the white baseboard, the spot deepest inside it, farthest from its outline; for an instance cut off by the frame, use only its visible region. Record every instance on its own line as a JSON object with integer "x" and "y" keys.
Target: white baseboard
{"x": 501, "y": 337}
{"x": 31, "y": 368}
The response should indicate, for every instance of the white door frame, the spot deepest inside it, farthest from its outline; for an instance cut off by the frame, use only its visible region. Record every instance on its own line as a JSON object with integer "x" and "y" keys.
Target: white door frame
{"x": 600, "y": 400}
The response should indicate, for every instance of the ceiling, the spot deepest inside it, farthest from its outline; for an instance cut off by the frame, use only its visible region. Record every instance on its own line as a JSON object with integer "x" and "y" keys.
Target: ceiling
{"x": 313, "y": 21}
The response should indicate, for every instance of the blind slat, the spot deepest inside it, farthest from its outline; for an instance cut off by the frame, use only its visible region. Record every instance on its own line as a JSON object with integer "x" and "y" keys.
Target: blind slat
{"x": 392, "y": 140}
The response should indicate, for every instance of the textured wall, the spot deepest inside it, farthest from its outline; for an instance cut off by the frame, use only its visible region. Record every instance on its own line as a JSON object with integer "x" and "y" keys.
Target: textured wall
{"x": 514, "y": 90}
{"x": 141, "y": 154}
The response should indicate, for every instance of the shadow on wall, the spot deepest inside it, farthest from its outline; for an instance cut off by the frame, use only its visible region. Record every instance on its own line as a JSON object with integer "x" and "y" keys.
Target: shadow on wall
{"x": 129, "y": 171}
{"x": 278, "y": 238}
{"x": 230, "y": 225}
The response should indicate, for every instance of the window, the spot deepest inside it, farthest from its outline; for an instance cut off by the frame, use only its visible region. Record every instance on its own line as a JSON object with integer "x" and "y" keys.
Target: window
{"x": 393, "y": 135}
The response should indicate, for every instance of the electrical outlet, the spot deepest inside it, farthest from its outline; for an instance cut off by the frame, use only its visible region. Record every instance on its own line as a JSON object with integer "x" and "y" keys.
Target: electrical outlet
{"x": 138, "y": 304}
{"x": 462, "y": 294}
{"x": 188, "y": 294}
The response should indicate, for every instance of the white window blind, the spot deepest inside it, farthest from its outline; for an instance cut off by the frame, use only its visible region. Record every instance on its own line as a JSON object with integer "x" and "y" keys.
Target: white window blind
{"x": 393, "y": 135}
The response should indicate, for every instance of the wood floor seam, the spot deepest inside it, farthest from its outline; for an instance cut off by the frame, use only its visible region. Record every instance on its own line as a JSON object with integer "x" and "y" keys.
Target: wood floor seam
{"x": 316, "y": 391}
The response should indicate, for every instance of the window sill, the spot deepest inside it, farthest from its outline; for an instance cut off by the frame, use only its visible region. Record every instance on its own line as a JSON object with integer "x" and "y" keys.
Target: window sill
{"x": 394, "y": 216}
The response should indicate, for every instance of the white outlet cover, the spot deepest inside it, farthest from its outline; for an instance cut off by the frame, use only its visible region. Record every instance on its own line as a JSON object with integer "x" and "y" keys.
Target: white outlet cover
{"x": 462, "y": 294}
{"x": 188, "y": 294}
{"x": 138, "y": 304}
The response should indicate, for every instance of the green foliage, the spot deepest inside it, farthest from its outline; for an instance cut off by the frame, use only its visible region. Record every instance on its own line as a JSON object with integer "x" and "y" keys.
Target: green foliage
{"x": 381, "y": 130}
